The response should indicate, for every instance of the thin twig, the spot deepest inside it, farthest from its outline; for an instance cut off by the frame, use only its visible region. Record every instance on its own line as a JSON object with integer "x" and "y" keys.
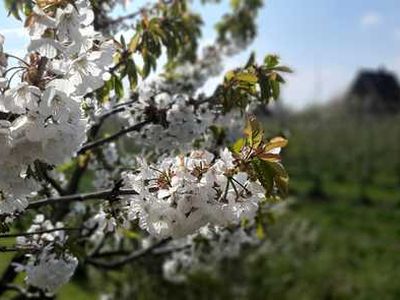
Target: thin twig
{"x": 118, "y": 108}
{"x": 54, "y": 183}
{"x": 17, "y": 58}
{"x": 113, "y": 137}
{"x": 123, "y": 18}
{"x": 23, "y": 292}
{"x": 12, "y": 235}
{"x": 8, "y": 249}
{"x": 130, "y": 258}
{"x": 106, "y": 194}
{"x": 13, "y": 68}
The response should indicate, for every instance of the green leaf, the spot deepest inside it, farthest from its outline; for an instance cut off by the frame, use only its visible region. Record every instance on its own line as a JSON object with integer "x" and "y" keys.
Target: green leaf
{"x": 283, "y": 69}
{"x": 247, "y": 77}
{"x": 238, "y": 146}
{"x": 276, "y": 90}
{"x": 130, "y": 234}
{"x": 251, "y": 61}
{"x": 260, "y": 232}
{"x": 265, "y": 175}
{"x": 235, "y": 4}
{"x": 13, "y": 8}
{"x": 134, "y": 42}
{"x": 229, "y": 75}
{"x": 122, "y": 40}
{"x": 271, "y": 61}
{"x": 132, "y": 74}
{"x": 253, "y": 132}
{"x": 282, "y": 184}
{"x": 271, "y": 174}
{"x": 264, "y": 89}
{"x": 118, "y": 87}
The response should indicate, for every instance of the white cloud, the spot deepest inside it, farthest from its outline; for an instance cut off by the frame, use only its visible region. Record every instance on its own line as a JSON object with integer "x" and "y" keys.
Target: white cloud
{"x": 371, "y": 19}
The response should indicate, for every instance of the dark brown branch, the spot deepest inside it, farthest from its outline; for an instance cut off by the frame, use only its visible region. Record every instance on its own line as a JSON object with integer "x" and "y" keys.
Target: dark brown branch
{"x": 13, "y": 235}
{"x": 156, "y": 252}
{"x": 125, "y": 260}
{"x": 113, "y": 137}
{"x": 8, "y": 249}
{"x": 80, "y": 168}
{"x": 17, "y": 58}
{"x": 106, "y": 194}
{"x": 54, "y": 183}
{"x": 141, "y": 11}
{"x": 19, "y": 289}
{"x": 123, "y": 18}
{"x": 118, "y": 108}
{"x": 111, "y": 254}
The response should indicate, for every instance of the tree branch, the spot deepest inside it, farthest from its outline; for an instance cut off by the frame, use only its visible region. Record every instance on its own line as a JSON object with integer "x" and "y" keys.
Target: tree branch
{"x": 13, "y": 235}
{"x": 118, "y": 108}
{"x": 54, "y": 183}
{"x": 106, "y": 194}
{"x": 8, "y": 249}
{"x": 130, "y": 258}
{"x": 113, "y": 137}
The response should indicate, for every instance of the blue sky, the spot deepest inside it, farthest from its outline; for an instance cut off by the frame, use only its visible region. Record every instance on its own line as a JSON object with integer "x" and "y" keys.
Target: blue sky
{"x": 325, "y": 41}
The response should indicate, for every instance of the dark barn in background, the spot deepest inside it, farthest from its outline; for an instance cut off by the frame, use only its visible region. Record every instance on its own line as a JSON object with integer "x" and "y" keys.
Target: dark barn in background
{"x": 374, "y": 92}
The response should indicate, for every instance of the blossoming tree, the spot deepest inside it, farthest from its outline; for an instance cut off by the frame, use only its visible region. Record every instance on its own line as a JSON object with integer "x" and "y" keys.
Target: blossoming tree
{"x": 101, "y": 166}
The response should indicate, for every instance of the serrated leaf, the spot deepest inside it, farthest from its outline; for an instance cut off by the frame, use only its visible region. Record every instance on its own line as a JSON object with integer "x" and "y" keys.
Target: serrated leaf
{"x": 122, "y": 40}
{"x": 260, "y": 232}
{"x": 264, "y": 89}
{"x": 279, "y": 170}
{"x": 132, "y": 74}
{"x": 251, "y": 61}
{"x": 271, "y": 61}
{"x": 271, "y": 174}
{"x": 134, "y": 42}
{"x": 282, "y": 184}
{"x": 270, "y": 157}
{"x": 276, "y": 90}
{"x": 229, "y": 75}
{"x": 283, "y": 69}
{"x": 247, "y": 77}
{"x": 118, "y": 87}
{"x": 277, "y": 142}
{"x": 253, "y": 132}
{"x": 264, "y": 175}
{"x": 133, "y": 235}
{"x": 238, "y": 146}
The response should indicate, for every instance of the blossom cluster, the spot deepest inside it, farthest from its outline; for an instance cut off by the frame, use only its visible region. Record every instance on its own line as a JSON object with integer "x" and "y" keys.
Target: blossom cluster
{"x": 205, "y": 250}
{"x": 176, "y": 120}
{"x": 40, "y": 110}
{"x": 179, "y": 195}
{"x": 50, "y": 266}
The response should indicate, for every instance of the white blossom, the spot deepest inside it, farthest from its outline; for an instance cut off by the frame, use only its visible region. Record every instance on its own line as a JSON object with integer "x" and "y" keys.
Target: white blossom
{"x": 179, "y": 195}
{"x": 21, "y": 99}
{"x": 46, "y": 270}
{"x": 50, "y": 272}
{"x": 46, "y": 122}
